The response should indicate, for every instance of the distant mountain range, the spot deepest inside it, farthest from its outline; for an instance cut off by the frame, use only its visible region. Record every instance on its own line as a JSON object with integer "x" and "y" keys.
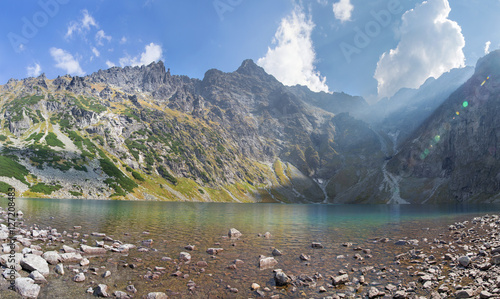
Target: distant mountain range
{"x": 140, "y": 133}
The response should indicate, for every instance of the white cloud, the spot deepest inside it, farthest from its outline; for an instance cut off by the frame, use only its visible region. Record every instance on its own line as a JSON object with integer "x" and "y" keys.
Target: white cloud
{"x": 152, "y": 52}
{"x": 343, "y": 10}
{"x": 96, "y": 52}
{"x": 34, "y": 70}
{"x": 487, "y": 47}
{"x": 430, "y": 45}
{"x": 64, "y": 60}
{"x": 100, "y": 36}
{"x": 82, "y": 25}
{"x": 123, "y": 40}
{"x": 109, "y": 64}
{"x": 292, "y": 59}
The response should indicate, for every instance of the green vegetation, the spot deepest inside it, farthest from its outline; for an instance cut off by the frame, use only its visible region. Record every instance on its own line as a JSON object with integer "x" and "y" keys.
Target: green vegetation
{"x": 3, "y": 137}
{"x": 137, "y": 176}
{"x": 89, "y": 104}
{"x": 52, "y": 140}
{"x": 117, "y": 180}
{"x": 12, "y": 169}
{"x": 166, "y": 175}
{"x": 45, "y": 189}
{"x": 75, "y": 193}
{"x": 35, "y": 136}
{"x": 4, "y": 187}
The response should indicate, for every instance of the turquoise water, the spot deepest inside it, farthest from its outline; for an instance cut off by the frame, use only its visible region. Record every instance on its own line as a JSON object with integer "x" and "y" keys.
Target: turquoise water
{"x": 173, "y": 225}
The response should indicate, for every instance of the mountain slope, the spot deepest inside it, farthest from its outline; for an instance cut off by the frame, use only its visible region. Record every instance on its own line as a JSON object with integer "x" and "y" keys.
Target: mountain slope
{"x": 142, "y": 133}
{"x": 453, "y": 155}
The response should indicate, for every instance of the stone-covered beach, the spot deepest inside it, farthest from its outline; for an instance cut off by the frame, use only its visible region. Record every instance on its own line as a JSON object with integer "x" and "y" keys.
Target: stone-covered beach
{"x": 457, "y": 260}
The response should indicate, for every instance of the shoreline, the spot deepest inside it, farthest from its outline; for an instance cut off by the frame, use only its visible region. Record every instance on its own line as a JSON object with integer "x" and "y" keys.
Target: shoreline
{"x": 459, "y": 260}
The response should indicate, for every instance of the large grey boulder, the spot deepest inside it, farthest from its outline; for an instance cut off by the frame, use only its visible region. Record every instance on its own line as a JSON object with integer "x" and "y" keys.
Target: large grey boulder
{"x": 52, "y": 257}
{"x": 32, "y": 262}
{"x": 26, "y": 287}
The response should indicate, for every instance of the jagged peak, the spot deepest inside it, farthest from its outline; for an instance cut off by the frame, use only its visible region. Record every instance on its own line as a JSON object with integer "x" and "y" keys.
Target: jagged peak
{"x": 248, "y": 67}
{"x": 489, "y": 64}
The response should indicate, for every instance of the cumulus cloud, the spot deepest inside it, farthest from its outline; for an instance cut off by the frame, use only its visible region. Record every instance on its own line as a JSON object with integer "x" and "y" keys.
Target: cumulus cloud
{"x": 487, "y": 47}
{"x": 123, "y": 40}
{"x": 34, "y": 70}
{"x": 110, "y": 64}
{"x": 64, "y": 60}
{"x": 343, "y": 10}
{"x": 430, "y": 45}
{"x": 152, "y": 52}
{"x": 100, "y": 36}
{"x": 292, "y": 59}
{"x": 81, "y": 26}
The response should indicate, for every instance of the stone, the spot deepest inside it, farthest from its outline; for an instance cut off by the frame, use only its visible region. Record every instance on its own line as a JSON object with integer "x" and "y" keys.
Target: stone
{"x": 401, "y": 242}
{"x": 464, "y": 261}
{"x": 276, "y": 252}
{"x": 400, "y": 295}
{"x": 80, "y": 277}
{"x": 185, "y": 257}
{"x": 156, "y": 295}
{"x": 147, "y": 243}
{"x": 267, "y": 262}
{"x": 59, "y": 269}
{"x": 322, "y": 289}
{"x": 52, "y": 257}
{"x": 92, "y": 250}
{"x": 131, "y": 289}
{"x": 255, "y": 287}
{"x": 189, "y": 247}
{"x": 304, "y": 257}
{"x": 71, "y": 257}
{"x": 202, "y": 264}
{"x": 101, "y": 291}
{"x": 341, "y": 279}
{"x": 234, "y": 233}
{"x": 121, "y": 295}
{"x": 374, "y": 293}
{"x": 280, "y": 278}
{"x": 485, "y": 295}
{"x": 233, "y": 290}
{"x": 10, "y": 274}
{"x": 106, "y": 274}
{"x": 267, "y": 235}
{"x": 32, "y": 262}
{"x": 214, "y": 251}
{"x": 84, "y": 262}
{"x": 495, "y": 260}
{"x": 37, "y": 277}
{"x": 464, "y": 293}
{"x": 4, "y": 260}
{"x": 68, "y": 249}
{"x": 316, "y": 245}
{"x": 26, "y": 287}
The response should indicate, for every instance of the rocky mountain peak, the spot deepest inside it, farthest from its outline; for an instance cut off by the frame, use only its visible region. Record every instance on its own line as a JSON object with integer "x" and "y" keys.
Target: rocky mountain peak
{"x": 489, "y": 65}
{"x": 249, "y": 68}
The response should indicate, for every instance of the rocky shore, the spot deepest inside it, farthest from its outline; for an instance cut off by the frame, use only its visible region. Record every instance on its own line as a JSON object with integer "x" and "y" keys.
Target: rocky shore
{"x": 460, "y": 261}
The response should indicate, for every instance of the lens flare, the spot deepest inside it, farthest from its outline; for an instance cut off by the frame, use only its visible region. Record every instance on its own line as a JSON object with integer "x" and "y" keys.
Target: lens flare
{"x": 483, "y": 82}
{"x": 458, "y": 113}
{"x": 465, "y": 104}
{"x": 437, "y": 138}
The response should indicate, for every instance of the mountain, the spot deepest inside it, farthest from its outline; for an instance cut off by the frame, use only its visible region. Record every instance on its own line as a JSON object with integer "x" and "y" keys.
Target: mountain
{"x": 453, "y": 155}
{"x": 401, "y": 114}
{"x": 141, "y": 133}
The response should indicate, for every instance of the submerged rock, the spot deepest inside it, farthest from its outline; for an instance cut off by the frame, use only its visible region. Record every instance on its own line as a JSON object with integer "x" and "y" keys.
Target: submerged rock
{"x": 267, "y": 262}
{"x": 234, "y": 233}
{"x": 280, "y": 278}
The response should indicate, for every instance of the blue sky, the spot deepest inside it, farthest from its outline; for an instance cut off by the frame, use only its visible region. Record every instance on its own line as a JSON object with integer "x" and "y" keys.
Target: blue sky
{"x": 369, "y": 48}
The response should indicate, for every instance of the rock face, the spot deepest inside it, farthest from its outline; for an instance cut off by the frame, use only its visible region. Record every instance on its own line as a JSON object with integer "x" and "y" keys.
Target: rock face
{"x": 455, "y": 150}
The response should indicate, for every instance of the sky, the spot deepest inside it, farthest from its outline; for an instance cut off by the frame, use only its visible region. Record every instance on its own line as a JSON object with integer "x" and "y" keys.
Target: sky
{"x": 368, "y": 48}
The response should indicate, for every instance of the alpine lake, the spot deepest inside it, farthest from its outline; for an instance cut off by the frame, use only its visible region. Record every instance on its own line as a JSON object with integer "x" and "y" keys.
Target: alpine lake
{"x": 292, "y": 227}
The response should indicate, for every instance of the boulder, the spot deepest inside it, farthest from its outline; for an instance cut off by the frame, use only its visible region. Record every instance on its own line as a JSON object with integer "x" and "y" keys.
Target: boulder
{"x": 157, "y": 295}
{"x": 185, "y": 257}
{"x": 92, "y": 250}
{"x": 37, "y": 277}
{"x": 32, "y": 262}
{"x": 71, "y": 257}
{"x": 464, "y": 261}
{"x": 52, "y": 257}
{"x": 26, "y": 287}
{"x": 214, "y": 251}
{"x": 341, "y": 279}
{"x": 280, "y": 278}
{"x": 80, "y": 277}
{"x": 267, "y": 262}
{"x": 101, "y": 291}
{"x": 234, "y": 233}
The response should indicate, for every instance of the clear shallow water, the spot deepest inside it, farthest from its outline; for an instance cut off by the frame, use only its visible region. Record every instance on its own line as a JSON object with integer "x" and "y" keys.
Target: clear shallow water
{"x": 173, "y": 225}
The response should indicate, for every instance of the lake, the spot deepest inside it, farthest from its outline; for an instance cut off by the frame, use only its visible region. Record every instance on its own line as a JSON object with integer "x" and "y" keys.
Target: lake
{"x": 173, "y": 225}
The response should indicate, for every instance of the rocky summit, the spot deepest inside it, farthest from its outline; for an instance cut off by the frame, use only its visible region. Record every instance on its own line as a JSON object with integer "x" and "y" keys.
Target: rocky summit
{"x": 141, "y": 133}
